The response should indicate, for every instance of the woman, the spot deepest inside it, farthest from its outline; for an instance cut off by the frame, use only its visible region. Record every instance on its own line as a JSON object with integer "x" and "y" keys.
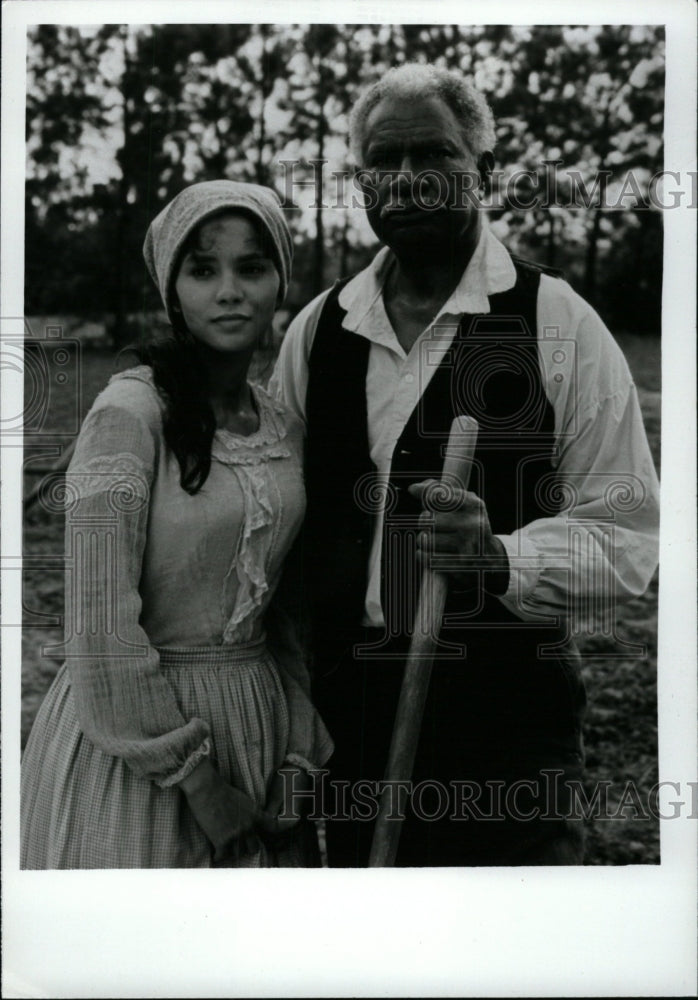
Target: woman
{"x": 160, "y": 741}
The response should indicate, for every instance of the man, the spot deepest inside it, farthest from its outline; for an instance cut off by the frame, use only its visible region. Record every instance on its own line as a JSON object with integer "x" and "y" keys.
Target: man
{"x": 443, "y": 322}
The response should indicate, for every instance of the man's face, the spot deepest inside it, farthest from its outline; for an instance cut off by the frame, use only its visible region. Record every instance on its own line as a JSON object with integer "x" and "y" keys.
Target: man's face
{"x": 423, "y": 199}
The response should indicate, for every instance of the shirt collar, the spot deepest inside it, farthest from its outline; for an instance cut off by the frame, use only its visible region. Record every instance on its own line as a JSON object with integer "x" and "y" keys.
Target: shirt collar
{"x": 490, "y": 270}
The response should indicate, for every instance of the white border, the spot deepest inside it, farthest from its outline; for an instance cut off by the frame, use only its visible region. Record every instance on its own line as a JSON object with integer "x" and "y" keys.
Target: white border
{"x": 465, "y": 932}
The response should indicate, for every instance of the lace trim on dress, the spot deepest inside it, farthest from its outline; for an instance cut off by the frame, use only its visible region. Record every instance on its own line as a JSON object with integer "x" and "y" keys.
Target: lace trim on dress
{"x": 257, "y": 448}
{"x": 123, "y": 477}
{"x": 250, "y": 457}
{"x": 246, "y": 576}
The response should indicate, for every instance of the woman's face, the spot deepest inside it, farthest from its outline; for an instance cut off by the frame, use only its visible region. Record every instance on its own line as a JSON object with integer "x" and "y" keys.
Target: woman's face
{"x": 227, "y": 285}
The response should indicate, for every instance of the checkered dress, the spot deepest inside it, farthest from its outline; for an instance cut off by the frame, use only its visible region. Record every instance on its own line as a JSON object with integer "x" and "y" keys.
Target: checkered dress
{"x": 167, "y": 599}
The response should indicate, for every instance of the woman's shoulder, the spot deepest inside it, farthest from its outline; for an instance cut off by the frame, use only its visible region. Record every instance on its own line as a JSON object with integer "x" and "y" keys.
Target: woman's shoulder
{"x": 121, "y": 433}
{"x": 133, "y": 392}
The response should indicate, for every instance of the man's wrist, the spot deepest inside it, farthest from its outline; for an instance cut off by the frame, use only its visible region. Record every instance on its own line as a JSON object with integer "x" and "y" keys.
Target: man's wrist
{"x": 496, "y": 580}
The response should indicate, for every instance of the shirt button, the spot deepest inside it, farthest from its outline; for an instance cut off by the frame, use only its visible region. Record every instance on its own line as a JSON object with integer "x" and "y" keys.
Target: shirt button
{"x": 409, "y": 378}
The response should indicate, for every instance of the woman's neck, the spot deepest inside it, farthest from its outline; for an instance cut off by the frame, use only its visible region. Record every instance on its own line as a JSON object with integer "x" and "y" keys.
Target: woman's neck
{"x": 228, "y": 390}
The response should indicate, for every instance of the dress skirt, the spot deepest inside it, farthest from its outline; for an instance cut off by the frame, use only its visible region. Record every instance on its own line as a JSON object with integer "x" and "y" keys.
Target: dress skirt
{"x": 82, "y": 808}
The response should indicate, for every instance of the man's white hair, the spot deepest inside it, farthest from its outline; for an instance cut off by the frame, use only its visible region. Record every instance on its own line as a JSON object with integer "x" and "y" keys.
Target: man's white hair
{"x": 412, "y": 80}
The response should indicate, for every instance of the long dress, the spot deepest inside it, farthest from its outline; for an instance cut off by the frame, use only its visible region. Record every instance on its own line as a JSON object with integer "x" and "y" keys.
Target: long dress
{"x": 174, "y": 647}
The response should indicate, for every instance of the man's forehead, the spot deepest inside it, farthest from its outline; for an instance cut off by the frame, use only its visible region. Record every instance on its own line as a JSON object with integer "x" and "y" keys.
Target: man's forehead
{"x": 404, "y": 117}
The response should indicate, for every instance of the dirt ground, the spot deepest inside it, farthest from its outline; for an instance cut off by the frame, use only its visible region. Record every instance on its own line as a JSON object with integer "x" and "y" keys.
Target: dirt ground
{"x": 621, "y": 724}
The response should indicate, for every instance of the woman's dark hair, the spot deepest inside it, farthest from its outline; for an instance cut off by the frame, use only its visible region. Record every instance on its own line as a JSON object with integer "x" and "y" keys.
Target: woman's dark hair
{"x": 189, "y": 423}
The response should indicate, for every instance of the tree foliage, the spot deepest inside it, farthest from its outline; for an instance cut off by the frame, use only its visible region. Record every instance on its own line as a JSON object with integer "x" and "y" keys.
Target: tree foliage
{"x": 121, "y": 117}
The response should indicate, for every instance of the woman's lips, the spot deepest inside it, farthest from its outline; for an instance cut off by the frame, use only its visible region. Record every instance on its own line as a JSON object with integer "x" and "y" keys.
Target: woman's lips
{"x": 231, "y": 318}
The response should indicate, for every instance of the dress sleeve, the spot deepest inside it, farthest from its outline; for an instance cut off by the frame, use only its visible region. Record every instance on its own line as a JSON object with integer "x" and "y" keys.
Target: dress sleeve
{"x": 599, "y": 546}
{"x": 124, "y": 703}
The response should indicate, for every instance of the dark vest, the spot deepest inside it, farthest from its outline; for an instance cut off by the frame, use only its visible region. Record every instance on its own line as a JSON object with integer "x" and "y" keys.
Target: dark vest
{"x": 491, "y": 372}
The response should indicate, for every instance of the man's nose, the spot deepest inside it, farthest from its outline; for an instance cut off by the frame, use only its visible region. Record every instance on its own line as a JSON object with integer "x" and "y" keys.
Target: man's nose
{"x": 406, "y": 168}
{"x": 403, "y": 178}
{"x": 406, "y": 163}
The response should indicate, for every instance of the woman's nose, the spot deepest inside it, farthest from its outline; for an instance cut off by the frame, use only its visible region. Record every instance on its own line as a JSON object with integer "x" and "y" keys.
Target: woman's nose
{"x": 229, "y": 289}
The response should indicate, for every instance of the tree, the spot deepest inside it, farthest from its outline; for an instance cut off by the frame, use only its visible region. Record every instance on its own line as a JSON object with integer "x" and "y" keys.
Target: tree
{"x": 166, "y": 105}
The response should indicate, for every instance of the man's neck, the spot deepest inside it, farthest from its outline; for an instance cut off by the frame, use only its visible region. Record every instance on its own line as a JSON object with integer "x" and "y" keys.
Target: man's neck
{"x": 415, "y": 291}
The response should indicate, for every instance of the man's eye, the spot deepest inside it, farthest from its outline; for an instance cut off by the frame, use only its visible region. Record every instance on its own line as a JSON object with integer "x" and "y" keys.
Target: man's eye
{"x": 381, "y": 161}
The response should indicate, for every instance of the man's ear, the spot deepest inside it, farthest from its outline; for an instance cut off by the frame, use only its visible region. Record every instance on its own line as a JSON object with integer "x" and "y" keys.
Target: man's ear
{"x": 485, "y": 166}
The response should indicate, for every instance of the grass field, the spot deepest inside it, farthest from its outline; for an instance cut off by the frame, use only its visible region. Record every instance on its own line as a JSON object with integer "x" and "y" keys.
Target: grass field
{"x": 621, "y": 725}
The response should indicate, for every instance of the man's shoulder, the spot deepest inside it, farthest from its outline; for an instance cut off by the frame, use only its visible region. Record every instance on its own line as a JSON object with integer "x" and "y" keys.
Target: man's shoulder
{"x": 304, "y": 325}
{"x": 557, "y": 298}
{"x": 304, "y": 322}
{"x": 566, "y": 318}
{"x": 533, "y": 266}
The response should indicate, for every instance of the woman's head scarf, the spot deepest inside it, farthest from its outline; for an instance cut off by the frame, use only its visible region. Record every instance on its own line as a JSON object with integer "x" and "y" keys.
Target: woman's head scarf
{"x": 169, "y": 231}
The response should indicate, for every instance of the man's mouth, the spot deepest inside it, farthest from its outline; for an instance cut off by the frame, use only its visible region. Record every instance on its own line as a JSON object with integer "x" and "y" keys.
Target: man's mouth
{"x": 408, "y": 213}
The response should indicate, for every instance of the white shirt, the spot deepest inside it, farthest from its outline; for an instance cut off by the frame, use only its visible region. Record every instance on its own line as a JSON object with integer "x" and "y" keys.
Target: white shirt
{"x": 603, "y": 546}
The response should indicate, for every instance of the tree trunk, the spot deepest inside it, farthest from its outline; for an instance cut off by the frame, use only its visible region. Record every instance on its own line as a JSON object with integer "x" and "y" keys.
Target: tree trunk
{"x": 595, "y": 229}
{"x": 118, "y": 332}
{"x": 319, "y": 248}
{"x": 550, "y": 255}
{"x": 344, "y": 248}
{"x": 591, "y": 257}
{"x": 260, "y": 169}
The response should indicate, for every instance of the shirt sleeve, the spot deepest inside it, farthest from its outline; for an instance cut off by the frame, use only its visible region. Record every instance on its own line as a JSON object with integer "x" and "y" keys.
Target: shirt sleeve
{"x": 599, "y": 546}
{"x": 124, "y": 703}
{"x": 289, "y": 380}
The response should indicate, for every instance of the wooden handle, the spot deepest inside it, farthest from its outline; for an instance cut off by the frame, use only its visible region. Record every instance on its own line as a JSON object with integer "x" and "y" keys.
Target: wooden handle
{"x": 420, "y": 658}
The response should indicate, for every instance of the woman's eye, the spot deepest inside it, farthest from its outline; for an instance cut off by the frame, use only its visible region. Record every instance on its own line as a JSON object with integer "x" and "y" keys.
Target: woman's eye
{"x": 202, "y": 271}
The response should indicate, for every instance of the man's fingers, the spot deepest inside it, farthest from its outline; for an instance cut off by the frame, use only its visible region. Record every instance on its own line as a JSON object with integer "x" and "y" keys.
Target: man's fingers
{"x": 438, "y": 541}
{"x": 440, "y": 499}
{"x": 451, "y": 522}
{"x": 417, "y": 490}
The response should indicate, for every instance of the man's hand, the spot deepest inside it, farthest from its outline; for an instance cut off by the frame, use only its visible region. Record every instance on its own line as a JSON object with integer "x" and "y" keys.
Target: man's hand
{"x": 462, "y": 532}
